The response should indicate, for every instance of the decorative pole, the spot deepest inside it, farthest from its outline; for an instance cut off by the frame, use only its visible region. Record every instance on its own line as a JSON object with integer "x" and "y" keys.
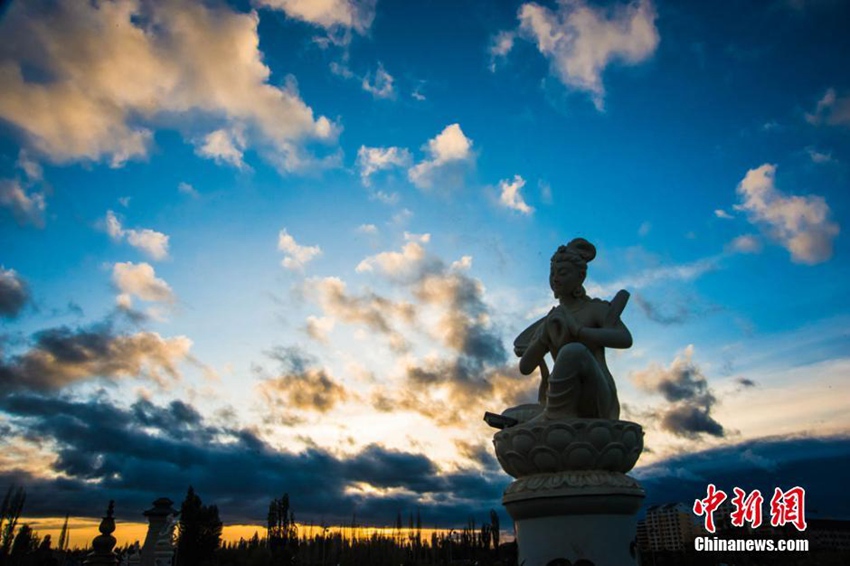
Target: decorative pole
{"x": 103, "y": 543}
{"x": 159, "y": 517}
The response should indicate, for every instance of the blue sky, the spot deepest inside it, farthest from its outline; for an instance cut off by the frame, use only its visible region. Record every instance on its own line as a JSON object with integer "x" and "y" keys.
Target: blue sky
{"x": 288, "y": 236}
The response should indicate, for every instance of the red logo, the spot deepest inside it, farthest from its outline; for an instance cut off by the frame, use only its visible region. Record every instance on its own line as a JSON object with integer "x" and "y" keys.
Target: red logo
{"x": 785, "y": 507}
{"x": 707, "y": 506}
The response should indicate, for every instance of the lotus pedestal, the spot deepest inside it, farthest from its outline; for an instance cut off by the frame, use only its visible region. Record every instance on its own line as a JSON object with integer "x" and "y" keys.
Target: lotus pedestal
{"x": 572, "y": 502}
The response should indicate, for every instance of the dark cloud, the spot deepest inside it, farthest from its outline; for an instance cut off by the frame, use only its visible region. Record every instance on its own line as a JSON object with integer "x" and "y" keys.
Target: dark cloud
{"x": 685, "y": 387}
{"x": 137, "y": 454}
{"x": 464, "y": 326}
{"x": 25, "y": 203}
{"x": 819, "y": 465}
{"x": 61, "y": 356}
{"x": 668, "y": 315}
{"x": 475, "y": 371}
{"x": 672, "y": 310}
{"x": 14, "y": 293}
{"x": 744, "y": 382}
{"x": 292, "y": 358}
{"x": 481, "y": 453}
{"x": 690, "y": 420}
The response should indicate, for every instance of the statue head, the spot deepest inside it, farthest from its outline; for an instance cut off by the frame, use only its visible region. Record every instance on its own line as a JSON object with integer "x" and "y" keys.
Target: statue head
{"x": 568, "y": 268}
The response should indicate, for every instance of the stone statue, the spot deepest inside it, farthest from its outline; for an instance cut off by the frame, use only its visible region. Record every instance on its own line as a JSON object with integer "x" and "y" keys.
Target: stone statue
{"x": 571, "y": 500}
{"x": 575, "y": 333}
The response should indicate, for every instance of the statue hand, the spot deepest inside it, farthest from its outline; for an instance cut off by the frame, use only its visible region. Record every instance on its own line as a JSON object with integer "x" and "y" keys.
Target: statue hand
{"x": 562, "y": 326}
{"x": 541, "y": 334}
{"x": 557, "y": 327}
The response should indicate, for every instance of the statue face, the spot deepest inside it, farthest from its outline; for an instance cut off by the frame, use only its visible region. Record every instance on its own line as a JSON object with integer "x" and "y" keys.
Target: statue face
{"x": 566, "y": 277}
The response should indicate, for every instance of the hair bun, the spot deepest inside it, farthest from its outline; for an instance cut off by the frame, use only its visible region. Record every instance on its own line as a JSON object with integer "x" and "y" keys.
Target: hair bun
{"x": 583, "y": 248}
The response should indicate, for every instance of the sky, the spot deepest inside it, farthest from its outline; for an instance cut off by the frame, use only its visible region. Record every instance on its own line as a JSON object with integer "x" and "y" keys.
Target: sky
{"x": 285, "y": 246}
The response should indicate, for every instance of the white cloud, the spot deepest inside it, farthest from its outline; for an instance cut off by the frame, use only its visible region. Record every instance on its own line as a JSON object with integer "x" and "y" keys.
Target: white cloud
{"x": 384, "y": 197}
{"x": 580, "y": 40}
{"x": 657, "y": 274}
{"x": 644, "y": 228}
{"x": 500, "y": 45}
{"x": 367, "y": 229}
{"x": 406, "y": 264}
{"x": 745, "y": 244}
{"x": 113, "y": 226}
{"x": 382, "y": 87}
{"x": 185, "y": 188}
{"x": 720, "y": 213}
{"x": 223, "y": 146}
{"x": 819, "y": 156}
{"x": 297, "y": 256}
{"x": 402, "y": 217}
{"x": 800, "y": 224}
{"x": 449, "y": 147}
{"x": 510, "y": 196}
{"x": 116, "y": 69}
{"x": 462, "y": 264}
{"x": 139, "y": 280}
{"x": 31, "y": 168}
{"x": 152, "y": 243}
{"x": 328, "y": 14}
{"x": 545, "y": 191}
{"x": 831, "y": 110}
{"x": 374, "y": 159}
{"x": 318, "y": 327}
{"x": 27, "y": 206}
{"x": 395, "y": 264}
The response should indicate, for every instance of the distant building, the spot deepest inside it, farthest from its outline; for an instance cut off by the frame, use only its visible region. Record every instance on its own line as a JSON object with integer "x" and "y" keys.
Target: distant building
{"x": 667, "y": 527}
{"x": 829, "y": 535}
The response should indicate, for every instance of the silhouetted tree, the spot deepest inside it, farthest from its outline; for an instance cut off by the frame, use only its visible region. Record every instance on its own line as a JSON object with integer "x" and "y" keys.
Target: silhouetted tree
{"x": 199, "y": 531}
{"x": 494, "y": 524}
{"x": 282, "y": 531}
{"x": 63, "y": 535}
{"x": 10, "y": 512}
{"x": 26, "y": 541}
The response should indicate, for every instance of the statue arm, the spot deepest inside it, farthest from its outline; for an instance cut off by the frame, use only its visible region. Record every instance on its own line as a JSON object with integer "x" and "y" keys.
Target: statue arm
{"x": 533, "y": 356}
{"x": 612, "y": 333}
{"x": 535, "y": 341}
{"x": 618, "y": 337}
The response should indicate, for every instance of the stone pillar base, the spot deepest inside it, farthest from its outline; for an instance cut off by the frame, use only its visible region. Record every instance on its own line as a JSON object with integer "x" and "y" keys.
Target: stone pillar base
{"x": 575, "y": 516}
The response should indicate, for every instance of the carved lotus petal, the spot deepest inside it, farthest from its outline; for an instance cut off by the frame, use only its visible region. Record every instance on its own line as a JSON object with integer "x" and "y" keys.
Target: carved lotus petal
{"x": 577, "y": 444}
{"x": 545, "y": 459}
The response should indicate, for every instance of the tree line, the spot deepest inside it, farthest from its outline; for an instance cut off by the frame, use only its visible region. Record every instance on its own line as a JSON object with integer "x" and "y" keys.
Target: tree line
{"x": 198, "y": 541}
